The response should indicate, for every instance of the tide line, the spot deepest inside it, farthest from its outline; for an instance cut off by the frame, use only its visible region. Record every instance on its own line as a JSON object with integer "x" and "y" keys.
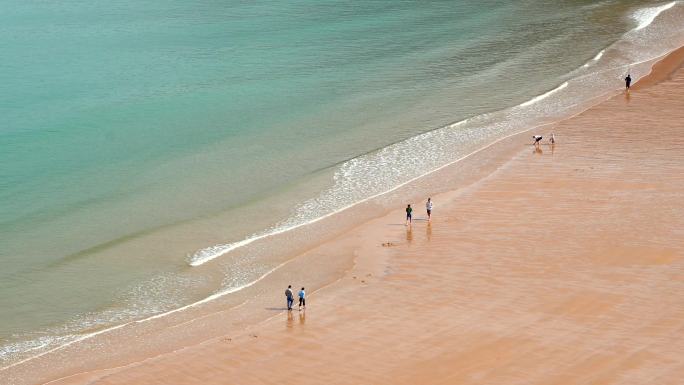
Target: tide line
{"x": 644, "y": 17}
{"x": 543, "y": 96}
{"x": 156, "y": 316}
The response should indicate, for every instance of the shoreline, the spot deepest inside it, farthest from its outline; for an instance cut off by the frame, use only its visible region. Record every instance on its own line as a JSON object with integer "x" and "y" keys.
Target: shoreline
{"x": 655, "y": 70}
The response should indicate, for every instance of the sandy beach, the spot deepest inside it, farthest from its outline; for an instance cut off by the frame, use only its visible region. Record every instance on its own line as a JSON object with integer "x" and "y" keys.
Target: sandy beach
{"x": 560, "y": 264}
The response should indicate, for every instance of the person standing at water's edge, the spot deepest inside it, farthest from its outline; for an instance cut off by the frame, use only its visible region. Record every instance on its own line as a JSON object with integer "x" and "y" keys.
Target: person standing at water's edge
{"x": 628, "y": 82}
{"x": 302, "y": 299}
{"x": 290, "y": 297}
{"x": 409, "y": 211}
{"x": 428, "y": 208}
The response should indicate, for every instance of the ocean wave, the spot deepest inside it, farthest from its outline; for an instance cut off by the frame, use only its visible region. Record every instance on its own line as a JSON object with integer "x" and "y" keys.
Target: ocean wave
{"x": 645, "y": 16}
{"x": 595, "y": 58}
{"x": 146, "y": 299}
{"x": 543, "y": 96}
{"x": 347, "y": 170}
{"x": 56, "y": 343}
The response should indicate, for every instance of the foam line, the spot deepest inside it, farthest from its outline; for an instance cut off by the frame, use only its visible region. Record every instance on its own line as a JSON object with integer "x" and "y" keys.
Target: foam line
{"x": 543, "y": 96}
{"x": 595, "y": 58}
{"x": 79, "y": 339}
{"x": 644, "y": 17}
{"x": 210, "y": 253}
{"x": 215, "y": 295}
{"x": 156, "y": 316}
{"x": 598, "y": 55}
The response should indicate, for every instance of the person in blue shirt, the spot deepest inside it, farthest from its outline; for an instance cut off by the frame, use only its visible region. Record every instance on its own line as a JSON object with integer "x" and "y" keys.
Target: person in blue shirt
{"x": 302, "y": 299}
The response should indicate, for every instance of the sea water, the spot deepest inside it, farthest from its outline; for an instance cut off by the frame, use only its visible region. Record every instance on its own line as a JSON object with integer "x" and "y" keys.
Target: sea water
{"x": 144, "y": 141}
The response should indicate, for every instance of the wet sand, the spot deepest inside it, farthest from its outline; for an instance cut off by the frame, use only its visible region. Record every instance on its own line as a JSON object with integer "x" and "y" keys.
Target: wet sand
{"x": 563, "y": 266}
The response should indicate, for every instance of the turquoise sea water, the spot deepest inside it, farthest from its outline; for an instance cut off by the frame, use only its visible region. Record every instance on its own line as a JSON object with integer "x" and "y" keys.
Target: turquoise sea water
{"x": 125, "y": 121}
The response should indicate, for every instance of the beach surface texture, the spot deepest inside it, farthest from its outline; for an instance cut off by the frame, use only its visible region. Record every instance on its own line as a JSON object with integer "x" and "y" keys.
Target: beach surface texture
{"x": 562, "y": 264}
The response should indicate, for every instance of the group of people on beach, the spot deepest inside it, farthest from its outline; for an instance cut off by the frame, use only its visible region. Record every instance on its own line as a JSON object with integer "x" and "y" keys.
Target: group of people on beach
{"x": 409, "y": 212}
{"x": 552, "y": 140}
{"x": 289, "y": 295}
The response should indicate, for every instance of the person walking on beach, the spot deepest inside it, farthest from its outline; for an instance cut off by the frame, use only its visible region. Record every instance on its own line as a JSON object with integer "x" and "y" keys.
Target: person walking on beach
{"x": 537, "y": 139}
{"x": 552, "y": 139}
{"x": 428, "y": 208}
{"x": 409, "y": 211}
{"x": 290, "y": 297}
{"x": 302, "y": 299}
{"x": 628, "y": 82}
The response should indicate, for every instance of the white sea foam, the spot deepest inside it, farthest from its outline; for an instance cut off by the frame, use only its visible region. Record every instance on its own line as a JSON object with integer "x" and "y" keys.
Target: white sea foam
{"x": 543, "y": 96}
{"x": 345, "y": 179}
{"x": 595, "y": 59}
{"x": 70, "y": 340}
{"x": 645, "y": 16}
{"x": 352, "y": 184}
{"x": 64, "y": 345}
{"x": 599, "y": 55}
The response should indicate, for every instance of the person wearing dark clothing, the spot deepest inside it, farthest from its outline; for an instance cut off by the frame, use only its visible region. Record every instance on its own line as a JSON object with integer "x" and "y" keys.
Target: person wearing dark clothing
{"x": 537, "y": 139}
{"x": 628, "y": 82}
{"x": 290, "y": 297}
